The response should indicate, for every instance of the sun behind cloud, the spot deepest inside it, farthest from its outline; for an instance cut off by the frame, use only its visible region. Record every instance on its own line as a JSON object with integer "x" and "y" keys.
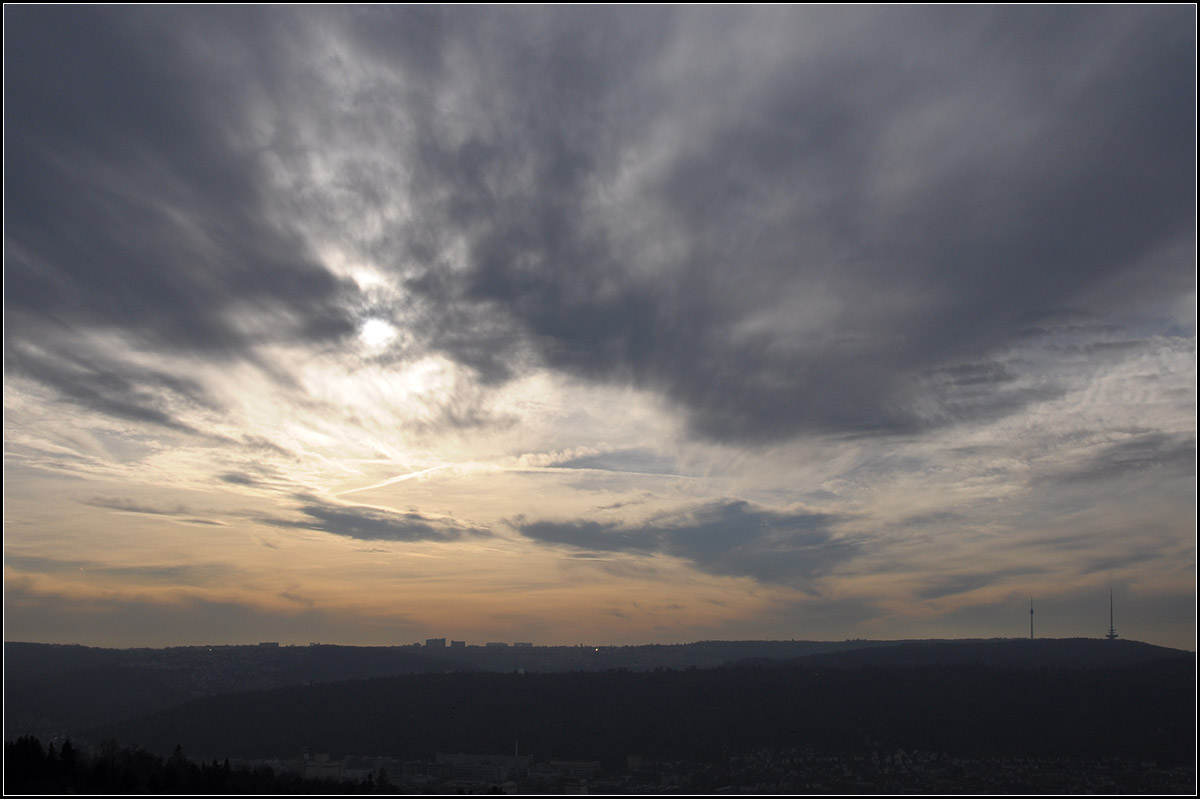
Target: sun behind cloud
{"x": 645, "y": 324}
{"x": 376, "y": 334}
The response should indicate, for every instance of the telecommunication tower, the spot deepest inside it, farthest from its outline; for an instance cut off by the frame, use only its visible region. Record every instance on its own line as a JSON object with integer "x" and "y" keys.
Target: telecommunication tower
{"x": 1112, "y": 630}
{"x": 1030, "y": 618}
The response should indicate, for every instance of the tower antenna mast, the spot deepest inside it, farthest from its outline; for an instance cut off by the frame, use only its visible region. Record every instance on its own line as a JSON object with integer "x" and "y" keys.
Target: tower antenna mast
{"x": 1112, "y": 630}
{"x": 1030, "y": 618}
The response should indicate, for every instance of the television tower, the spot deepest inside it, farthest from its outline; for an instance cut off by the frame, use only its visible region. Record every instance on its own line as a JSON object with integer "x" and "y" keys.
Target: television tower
{"x": 1112, "y": 630}
{"x": 1030, "y": 618}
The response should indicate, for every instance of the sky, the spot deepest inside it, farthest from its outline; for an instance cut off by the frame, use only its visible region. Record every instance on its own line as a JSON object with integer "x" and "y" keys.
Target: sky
{"x": 598, "y": 325}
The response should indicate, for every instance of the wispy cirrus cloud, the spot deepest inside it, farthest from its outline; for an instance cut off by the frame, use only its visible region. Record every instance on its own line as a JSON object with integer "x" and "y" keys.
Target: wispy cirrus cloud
{"x": 1146, "y": 452}
{"x": 177, "y": 512}
{"x": 188, "y": 574}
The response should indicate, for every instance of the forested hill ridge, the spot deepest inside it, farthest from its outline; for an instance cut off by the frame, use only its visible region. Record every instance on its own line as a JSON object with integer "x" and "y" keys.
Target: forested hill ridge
{"x": 1070, "y": 653}
{"x": 1141, "y": 712}
{"x": 54, "y": 689}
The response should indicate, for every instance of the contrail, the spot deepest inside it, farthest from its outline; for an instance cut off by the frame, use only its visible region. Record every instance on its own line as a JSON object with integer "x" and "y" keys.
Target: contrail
{"x": 525, "y": 469}
{"x": 397, "y": 479}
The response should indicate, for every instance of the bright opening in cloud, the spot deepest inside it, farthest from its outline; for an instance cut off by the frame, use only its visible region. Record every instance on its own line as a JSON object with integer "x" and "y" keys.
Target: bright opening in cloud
{"x": 376, "y": 334}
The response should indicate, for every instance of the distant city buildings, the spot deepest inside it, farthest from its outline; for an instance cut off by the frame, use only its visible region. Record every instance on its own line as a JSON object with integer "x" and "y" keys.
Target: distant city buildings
{"x": 321, "y": 767}
{"x": 482, "y": 768}
{"x": 441, "y": 643}
{"x": 766, "y": 770}
{"x": 573, "y": 769}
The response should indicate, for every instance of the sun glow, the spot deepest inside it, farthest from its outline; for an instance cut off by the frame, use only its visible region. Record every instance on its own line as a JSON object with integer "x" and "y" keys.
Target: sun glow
{"x": 376, "y": 333}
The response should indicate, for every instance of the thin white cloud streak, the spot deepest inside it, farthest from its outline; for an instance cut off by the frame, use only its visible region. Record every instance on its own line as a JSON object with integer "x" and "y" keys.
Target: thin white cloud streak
{"x": 399, "y": 479}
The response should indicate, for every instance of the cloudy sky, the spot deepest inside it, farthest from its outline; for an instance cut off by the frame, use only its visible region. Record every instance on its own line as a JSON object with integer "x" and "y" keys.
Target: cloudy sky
{"x": 605, "y": 325}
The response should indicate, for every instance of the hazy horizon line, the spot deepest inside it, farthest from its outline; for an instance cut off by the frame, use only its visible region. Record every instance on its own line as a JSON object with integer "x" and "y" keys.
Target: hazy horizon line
{"x": 510, "y": 645}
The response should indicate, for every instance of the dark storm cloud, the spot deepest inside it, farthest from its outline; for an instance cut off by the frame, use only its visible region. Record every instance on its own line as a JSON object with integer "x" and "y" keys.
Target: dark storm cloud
{"x": 133, "y": 197}
{"x": 897, "y": 192}
{"x": 783, "y": 220}
{"x": 727, "y": 538}
{"x": 373, "y": 524}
